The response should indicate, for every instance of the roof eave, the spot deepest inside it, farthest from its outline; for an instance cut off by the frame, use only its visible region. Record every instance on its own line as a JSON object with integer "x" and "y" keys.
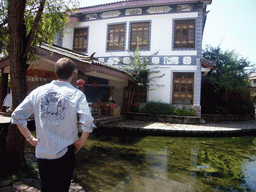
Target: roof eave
{"x": 134, "y": 3}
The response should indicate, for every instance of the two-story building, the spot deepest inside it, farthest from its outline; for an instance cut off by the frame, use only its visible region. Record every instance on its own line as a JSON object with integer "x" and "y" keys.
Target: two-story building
{"x": 173, "y": 28}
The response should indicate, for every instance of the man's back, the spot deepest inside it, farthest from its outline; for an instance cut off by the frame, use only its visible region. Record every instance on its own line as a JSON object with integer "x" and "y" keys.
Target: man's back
{"x": 55, "y": 106}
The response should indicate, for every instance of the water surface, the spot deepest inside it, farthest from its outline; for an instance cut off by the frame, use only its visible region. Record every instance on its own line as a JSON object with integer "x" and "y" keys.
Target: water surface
{"x": 164, "y": 164}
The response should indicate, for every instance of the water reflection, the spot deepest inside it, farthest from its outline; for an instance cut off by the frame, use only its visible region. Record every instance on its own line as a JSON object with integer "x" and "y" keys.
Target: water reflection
{"x": 167, "y": 164}
{"x": 250, "y": 174}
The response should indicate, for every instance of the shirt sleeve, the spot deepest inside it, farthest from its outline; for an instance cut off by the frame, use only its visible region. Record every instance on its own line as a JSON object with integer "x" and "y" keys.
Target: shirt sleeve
{"x": 84, "y": 115}
{"x": 22, "y": 112}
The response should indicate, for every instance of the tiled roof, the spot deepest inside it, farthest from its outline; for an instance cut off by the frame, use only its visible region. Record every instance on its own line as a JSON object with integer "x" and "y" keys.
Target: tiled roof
{"x": 75, "y": 55}
{"x": 90, "y": 61}
{"x": 68, "y": 53}
{"x": 130, "y": 3}
{"x": 207, "y": 63}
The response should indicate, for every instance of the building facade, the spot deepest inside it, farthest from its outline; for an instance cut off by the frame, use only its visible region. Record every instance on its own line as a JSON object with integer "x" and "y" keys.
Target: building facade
{"x": 173, "y": 28}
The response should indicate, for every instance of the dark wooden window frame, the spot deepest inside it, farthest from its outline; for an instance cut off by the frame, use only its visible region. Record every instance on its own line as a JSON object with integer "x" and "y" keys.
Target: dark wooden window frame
{"x": 116, "y": 37}
{"x": 184, "y": 34}
{"x": 141, "y": 30}
{"x": 80, "y": 42}
{"x": 183, "y": 88}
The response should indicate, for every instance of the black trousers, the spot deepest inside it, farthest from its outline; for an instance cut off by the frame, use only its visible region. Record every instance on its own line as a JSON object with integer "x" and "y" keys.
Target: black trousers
{"x": 56, "y": 174}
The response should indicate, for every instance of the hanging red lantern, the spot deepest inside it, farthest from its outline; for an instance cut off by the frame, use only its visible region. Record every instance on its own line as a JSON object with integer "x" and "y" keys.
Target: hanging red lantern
{"x": 80, "y": 82}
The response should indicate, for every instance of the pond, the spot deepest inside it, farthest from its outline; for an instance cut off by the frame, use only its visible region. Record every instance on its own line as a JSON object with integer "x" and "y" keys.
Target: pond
{"x": 164, "y": 164}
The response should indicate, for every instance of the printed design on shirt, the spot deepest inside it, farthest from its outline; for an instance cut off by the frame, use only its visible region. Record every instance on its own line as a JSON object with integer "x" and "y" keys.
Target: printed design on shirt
{"x": 53, "y": 106}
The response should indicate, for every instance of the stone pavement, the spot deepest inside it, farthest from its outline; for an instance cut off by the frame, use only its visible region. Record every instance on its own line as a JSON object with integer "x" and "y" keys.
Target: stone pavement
{"x": 206, "y": 127}
{"x": 214, "y": 128}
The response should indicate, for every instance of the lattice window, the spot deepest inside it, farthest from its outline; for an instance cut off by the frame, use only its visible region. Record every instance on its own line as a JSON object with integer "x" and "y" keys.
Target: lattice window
{"x": 184, "y": 34}
{"x": 183, "y": 88}
{"x": 80, "y": 40}
{"x": 116, "y": 37}
{"x": 140, "y": 34}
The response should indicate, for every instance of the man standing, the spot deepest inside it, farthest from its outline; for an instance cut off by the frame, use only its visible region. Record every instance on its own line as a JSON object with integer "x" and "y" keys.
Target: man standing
{"x": 57, "y": 107}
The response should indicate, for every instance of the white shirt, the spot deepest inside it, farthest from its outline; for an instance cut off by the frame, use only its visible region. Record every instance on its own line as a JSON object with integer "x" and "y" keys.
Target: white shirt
{"x": 57, "y": 106}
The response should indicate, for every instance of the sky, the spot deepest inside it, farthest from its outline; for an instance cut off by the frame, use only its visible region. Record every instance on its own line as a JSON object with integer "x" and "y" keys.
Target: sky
{"x": 230, "y": 24}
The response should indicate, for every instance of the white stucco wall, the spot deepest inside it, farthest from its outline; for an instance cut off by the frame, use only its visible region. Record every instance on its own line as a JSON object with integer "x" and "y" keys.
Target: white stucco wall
{"x": 160, "y": 91}
{"x": 160, "y": 40}
{"x": 161, "y": 34}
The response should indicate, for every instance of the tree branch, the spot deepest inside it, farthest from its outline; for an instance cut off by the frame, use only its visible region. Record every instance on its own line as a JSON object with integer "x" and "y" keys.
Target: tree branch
{"x": 33, "y": 29}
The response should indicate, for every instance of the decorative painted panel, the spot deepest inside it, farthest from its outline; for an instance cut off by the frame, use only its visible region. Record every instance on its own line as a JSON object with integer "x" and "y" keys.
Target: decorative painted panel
{"x": 90, "y": 17}
{"x": 186, "y": 7}
{"x": 137, "y": 11}
{"x": 110, "y": 14}
{"x": 155, "y": 60}
{"x": 161, "y": 9}
{"x": 147, "y": 10}
{"x": 171, "y": 60}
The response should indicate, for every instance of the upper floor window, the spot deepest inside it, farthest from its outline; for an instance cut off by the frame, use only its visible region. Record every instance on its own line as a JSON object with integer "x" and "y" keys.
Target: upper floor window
{"x": 184, "y": 34}
{"x": 140, "y": 34}
{"x": 80, "y": 40}
{"x": 116, "y": 37}
{"x": 183, "y": 88}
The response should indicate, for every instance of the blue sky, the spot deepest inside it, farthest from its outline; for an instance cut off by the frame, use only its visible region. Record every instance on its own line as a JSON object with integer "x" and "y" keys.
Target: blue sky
{"x": 230, "y": 23}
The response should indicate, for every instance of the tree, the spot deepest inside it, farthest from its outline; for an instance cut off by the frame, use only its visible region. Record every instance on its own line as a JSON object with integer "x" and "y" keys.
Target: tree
{"x": 229, "y": 80}
{"x": 140, "y": 69}
{"x": 229, "y": 73}
{"x": 25, "y": 24}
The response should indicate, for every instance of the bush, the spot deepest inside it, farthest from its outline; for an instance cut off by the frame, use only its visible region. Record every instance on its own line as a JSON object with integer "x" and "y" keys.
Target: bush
{"x": 185, "y": 112}
{"x": 153, "y": 107}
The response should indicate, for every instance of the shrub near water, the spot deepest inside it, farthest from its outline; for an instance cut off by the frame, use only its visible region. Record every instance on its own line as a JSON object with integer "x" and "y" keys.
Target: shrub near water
{"x": 153, "y": 108}
{"x": 184, "y": 112}
{"x": 157, "y": 108}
